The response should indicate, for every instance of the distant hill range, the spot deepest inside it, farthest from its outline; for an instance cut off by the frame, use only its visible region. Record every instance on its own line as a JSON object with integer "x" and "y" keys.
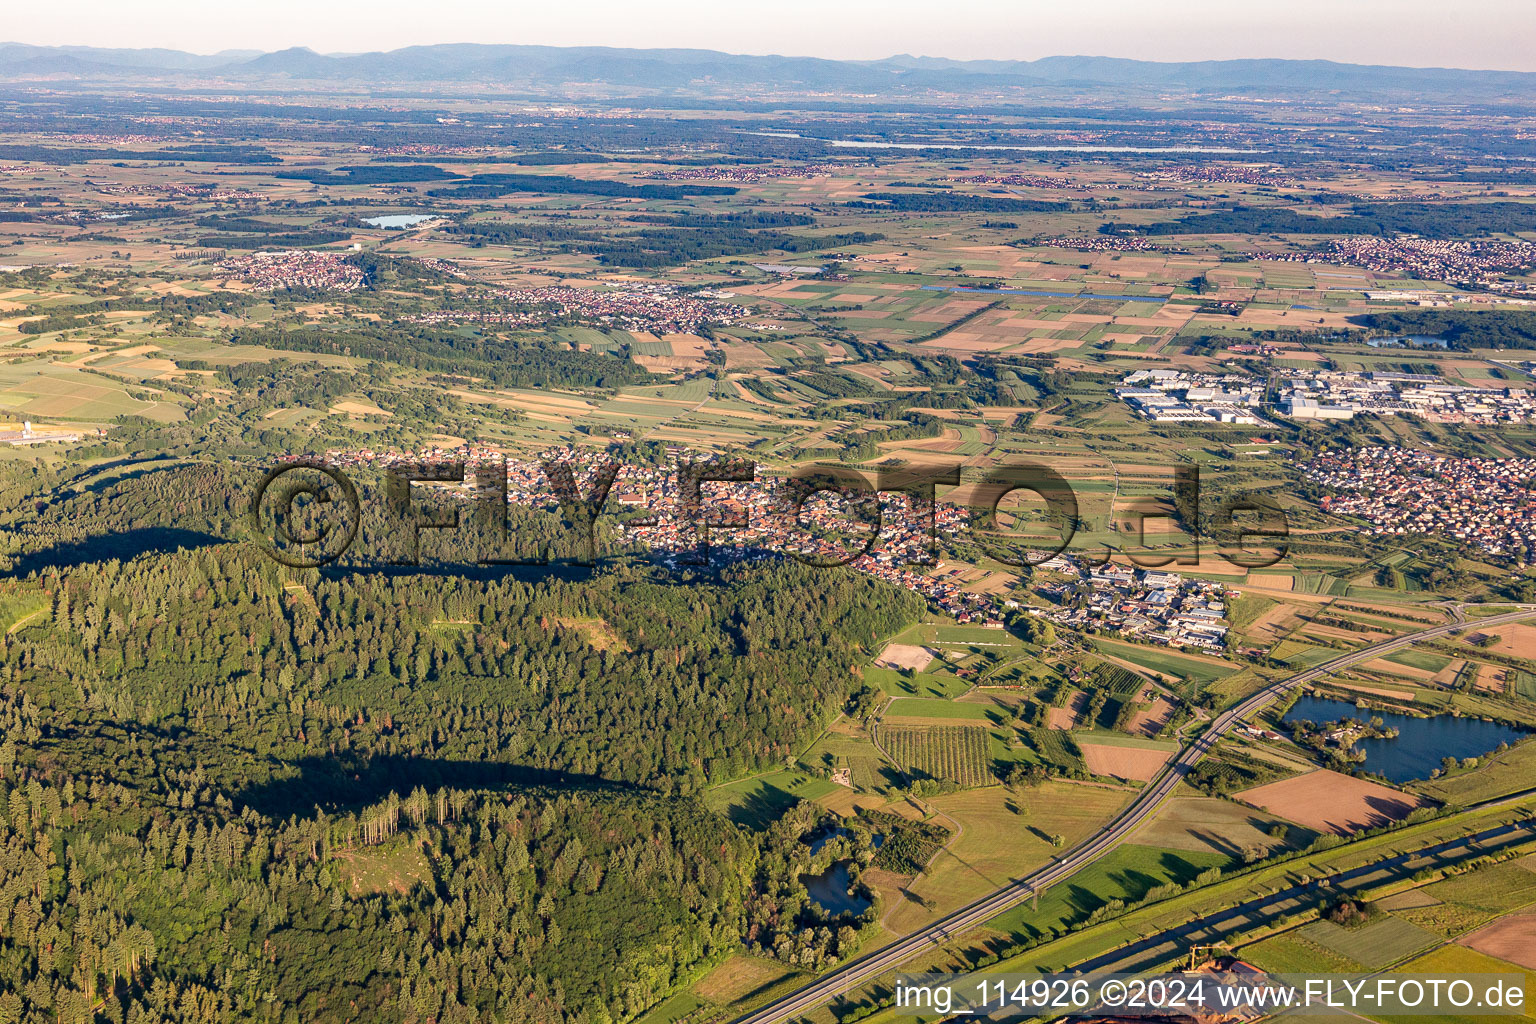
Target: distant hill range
{"x": 616, "y": 71}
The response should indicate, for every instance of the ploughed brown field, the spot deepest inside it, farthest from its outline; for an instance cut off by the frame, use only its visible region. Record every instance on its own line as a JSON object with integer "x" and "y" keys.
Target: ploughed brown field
{"x": 1065, "y": 717}
{"x": 1328, "y": 801}
{"x": 1123, "y": 762}
{"x": 1511, "y": 938}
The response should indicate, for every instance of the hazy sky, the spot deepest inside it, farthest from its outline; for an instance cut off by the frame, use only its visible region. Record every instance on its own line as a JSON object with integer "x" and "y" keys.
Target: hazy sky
{"x": 1437, "y": 33}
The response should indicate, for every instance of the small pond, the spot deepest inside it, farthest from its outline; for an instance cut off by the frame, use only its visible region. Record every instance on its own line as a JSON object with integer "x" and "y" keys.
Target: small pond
{"x": 829, "y": 890}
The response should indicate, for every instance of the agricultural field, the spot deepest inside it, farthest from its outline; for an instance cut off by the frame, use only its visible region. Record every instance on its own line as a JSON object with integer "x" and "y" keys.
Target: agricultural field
{"x": 757, "y": 802}
{"x": 1499, "y": 775}
{"x": 999, "y": 834}
{"x": 1381, "y": 943}
{"x": 926, "y": 708}
{"x": 1127, "y": 872}
{"x": 1124, "y": 760}
{"x": 1454, "y": 961}
{"x": 1326, "y": 801}
{"x": 1197, "y": 670}
{"x": 954, "y": 753}
{"x": 1207, "y": 824}
{"x": 1511, "y": 938}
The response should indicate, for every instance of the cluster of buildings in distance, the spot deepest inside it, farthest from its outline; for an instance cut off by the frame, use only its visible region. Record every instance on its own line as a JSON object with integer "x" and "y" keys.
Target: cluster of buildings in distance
{"x": 671, "y": 532}
{"x": 1343, "y": 394}
{"x": 1480, "y": 263}
{"x": 1016, "y": 180}
{"x": 649, "y": 513}
{"x": 655, "y": 308}
{"x": 1098, "y": 243}
{"x": 1490, "y": 503}
{"x": 748, "y": 174}
{"x": 297, "y": 268}
{"x": 1223, "y": 174}
{"x": 1181, "y": 396}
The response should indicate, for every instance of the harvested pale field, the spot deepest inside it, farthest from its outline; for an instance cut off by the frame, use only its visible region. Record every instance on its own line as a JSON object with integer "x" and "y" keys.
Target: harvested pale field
{"x": 992, "y": 583}
{"x": 1271, "y": 581}
{"x": 846, "y": 803}
{"x": 1206, "y": 824}
{"x": 1350, "y": 636}
{"x": 667, "y": 364}
{"x": 1066, "y": 717}
{"x": 954, "y": 309}
{"x": 1393, "y": 668}
{"x": 360, "y": 409}
{"x": 1328, "y": 801}
{"x": 1374, "y": 690}
{"x": 1447, "y": 676}
{"x": 974, "y": 341}
{"x": 861, "y": 314}
{"x": 1511, "y": 938}
{"x": 1123, "y": 762}
{"x": 906, "y": 656}
{"x": 1030, "y": 325}
{"x": 1149, "y": 721}
{"x": 120, "y": 353}
{"x": 739, "y": 976}
{"x": 1409, "y": 900}
{"x": 1516, "y": 638}
{"x": 1042, "y": 345}
{"x": 1275, "y": 623}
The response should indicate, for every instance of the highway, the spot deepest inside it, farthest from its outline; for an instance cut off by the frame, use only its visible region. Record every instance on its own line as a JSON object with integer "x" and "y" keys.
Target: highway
{"x": 830, "y": 985}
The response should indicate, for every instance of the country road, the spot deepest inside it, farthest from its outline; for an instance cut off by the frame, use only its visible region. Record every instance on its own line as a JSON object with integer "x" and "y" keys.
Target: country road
{"x": 830, "y": 985}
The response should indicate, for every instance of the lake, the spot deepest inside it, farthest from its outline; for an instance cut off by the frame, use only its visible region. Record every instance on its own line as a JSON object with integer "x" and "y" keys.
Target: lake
{"x": 829, "y": 890}
{"x": 398, "y": 220}
{"x": 1420, "y": 743}
{"x": 869, "y": 144}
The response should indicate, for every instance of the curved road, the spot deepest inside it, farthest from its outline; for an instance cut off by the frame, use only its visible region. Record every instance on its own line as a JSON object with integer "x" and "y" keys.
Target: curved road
{"x": 827, "y": 987}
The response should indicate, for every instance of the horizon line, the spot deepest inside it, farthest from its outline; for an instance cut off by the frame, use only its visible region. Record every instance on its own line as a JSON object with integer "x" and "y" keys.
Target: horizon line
{"x": 236, "y": 51}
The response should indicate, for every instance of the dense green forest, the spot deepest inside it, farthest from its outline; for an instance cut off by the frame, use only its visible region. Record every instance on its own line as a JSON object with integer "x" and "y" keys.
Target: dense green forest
{"x": 494, "y": 185}
{"x": 509, "y": 364}
{"x": 1431, "y": 220}
{"x": 1462, "y": 329}
{"x": 233, "y": 792}
{"x": 683, "y": 238}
